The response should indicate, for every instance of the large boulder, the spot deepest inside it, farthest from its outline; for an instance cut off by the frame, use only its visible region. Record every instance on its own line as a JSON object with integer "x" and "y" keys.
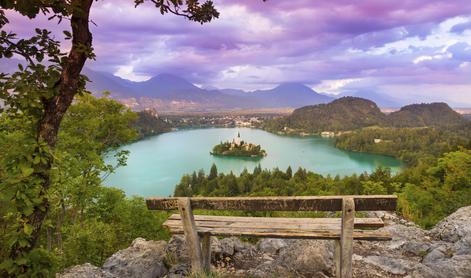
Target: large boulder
{"x": 143, "y": 259}
{"x": 454, "y": 227}
{"x": 85, "y": 271}
{"x": 308, "y": 258}
{"x": 271, "y": 245}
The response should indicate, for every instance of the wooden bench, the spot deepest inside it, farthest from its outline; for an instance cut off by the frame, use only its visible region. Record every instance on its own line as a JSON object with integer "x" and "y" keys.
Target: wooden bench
{"x": 343, "y": 230}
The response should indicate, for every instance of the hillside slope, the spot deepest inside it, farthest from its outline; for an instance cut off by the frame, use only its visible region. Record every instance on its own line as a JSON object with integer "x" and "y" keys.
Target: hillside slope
{"x": 350, "y": 113}
{"x": 421, "y": 115}
{"x": 346, "y": 113}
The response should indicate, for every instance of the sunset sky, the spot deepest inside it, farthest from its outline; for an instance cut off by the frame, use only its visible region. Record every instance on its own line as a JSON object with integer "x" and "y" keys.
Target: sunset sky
{"x": 418, "y": 50}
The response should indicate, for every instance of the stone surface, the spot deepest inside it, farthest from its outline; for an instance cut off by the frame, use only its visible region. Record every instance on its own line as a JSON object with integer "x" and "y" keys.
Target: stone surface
{"x": 444, "y": 251}
{"x": 454, "y": 227}
{"x": 271, "y": 245}
{"x": 307, "y": 257}
{"x": 85, "y": 271}
{"x": 143, "y": 259}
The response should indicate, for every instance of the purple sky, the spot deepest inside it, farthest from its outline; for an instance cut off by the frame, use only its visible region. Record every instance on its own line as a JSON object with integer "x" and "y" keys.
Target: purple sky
{"x": 412, "y": 49}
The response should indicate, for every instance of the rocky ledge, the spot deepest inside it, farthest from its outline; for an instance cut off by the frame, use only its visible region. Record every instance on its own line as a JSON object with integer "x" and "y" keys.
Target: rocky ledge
{"x": 444, "y": 251}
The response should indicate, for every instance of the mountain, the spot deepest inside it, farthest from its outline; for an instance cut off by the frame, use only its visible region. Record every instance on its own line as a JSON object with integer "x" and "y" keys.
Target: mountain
{"x": 289, "y": 95}
{"x": 437, "y": 114}
{"x": 346, "y": 113}
{"x": 166, "y": 92}
{"x": 102, "y": 81}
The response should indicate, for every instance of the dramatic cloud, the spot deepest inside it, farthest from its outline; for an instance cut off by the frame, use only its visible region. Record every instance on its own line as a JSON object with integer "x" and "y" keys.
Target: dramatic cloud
{"x": 417, "y": 49}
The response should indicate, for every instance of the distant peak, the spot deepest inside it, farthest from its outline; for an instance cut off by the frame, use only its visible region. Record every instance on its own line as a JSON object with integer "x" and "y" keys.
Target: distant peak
{"x": 166, "y": 76}
{"x": 292, "y": 85}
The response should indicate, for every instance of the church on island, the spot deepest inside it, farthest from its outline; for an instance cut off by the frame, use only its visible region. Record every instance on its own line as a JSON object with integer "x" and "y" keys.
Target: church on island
{"x": 238, "y": 148}
{"x": 236, "y": 141}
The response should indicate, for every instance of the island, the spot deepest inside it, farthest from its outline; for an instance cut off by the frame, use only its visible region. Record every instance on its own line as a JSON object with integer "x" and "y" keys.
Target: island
{"x": 238, "y": 148}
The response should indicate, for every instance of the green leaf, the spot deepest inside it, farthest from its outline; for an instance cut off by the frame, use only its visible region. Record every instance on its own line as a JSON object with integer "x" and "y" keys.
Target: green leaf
{"x": 26, "y": 171}
{"x": 28, "y": 229}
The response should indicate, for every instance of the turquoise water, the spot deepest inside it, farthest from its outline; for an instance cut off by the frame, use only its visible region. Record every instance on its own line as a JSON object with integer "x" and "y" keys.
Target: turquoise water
{"x": 156, "y": 164}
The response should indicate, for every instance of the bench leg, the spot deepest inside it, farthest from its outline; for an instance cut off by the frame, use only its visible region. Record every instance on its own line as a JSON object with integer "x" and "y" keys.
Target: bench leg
{"x": 206, "y": 251}
{"x": 191, "y": 235}
{"x": 337, "y": 259}
{"x": 346, "y": 238}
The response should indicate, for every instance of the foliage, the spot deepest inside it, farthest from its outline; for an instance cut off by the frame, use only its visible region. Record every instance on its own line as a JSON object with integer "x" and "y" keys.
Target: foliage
{"x": 86, "y": 222}
{"x": 407, "y": 144}
{"x": 148, "y": 123}
{"x": 35, "y": 100}
{"x": 427, "y": 192}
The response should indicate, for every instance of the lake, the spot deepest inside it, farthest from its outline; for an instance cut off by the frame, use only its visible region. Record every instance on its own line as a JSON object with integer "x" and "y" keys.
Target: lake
{"x": 156, "y": 164}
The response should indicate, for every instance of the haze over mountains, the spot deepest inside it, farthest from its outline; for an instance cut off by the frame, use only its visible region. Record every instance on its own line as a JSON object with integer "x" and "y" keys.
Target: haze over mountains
{"x": 167, "y": 92}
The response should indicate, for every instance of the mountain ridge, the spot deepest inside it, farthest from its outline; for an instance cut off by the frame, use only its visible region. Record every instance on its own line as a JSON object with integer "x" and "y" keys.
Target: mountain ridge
{"x": 168, "y": 88}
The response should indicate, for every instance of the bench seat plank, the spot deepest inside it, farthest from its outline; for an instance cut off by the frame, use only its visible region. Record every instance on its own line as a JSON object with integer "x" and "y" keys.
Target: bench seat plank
{"x": 261, "y": 222}
{"x": 292, "y": 234}
{"x": 301, "y": 228}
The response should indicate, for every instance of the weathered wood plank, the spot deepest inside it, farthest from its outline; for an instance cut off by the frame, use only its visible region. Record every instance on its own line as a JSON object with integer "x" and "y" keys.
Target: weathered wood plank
{"x": 245, "y": 225}
{"x": 294, "y": 234}
{"x": 298, "y": 203}
{"x": 206, "y": 251}
{"x": 191, "y": 235}
{"x": 337, "y": 259}
{"x": 305, "y": 223}
{"x": 346, "y": 241}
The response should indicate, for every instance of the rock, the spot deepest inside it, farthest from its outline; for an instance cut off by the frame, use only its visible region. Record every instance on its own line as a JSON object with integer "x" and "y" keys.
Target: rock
{"x": 227, "y": 246}
{"x": 391, "y": 265}
{"x": 416, "y": 248}
{"x": 176, "y": 249}
{"x": 444, "y": 251}
{"x": 456, "y": 266}
{"x": 143, "y": 259}
{"x": 436, "y": 254}
{"x": 454, "y": 227}
{"x": 307, "y": 257}
{"x": 463, "y": 246}
{"x": 271, "y": 245}
{"x": 85, "y": 271}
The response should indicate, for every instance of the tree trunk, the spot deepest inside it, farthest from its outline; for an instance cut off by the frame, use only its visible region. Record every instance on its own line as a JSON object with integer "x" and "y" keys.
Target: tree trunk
{"x": 55, "y": 108}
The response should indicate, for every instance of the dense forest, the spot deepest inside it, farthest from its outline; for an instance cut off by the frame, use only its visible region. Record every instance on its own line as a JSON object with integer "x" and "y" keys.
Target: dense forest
{"x": 407, "y": 144}
{"x": 427, "y": 193}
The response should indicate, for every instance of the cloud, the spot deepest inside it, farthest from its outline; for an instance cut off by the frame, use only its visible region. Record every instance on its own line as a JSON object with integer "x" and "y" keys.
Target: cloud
{"x": 329, "y": 45}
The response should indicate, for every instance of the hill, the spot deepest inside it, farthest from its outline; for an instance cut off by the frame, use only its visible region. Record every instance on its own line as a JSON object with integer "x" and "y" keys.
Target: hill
{"x": 349, "y": 113}
{"x": 346, "y": 113}
{"x": 437, "y": 114}
{"x": 148, "y": 123}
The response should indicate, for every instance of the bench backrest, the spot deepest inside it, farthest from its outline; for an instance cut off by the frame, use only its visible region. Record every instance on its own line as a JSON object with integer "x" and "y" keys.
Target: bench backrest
{"x": 296, "y": 203}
